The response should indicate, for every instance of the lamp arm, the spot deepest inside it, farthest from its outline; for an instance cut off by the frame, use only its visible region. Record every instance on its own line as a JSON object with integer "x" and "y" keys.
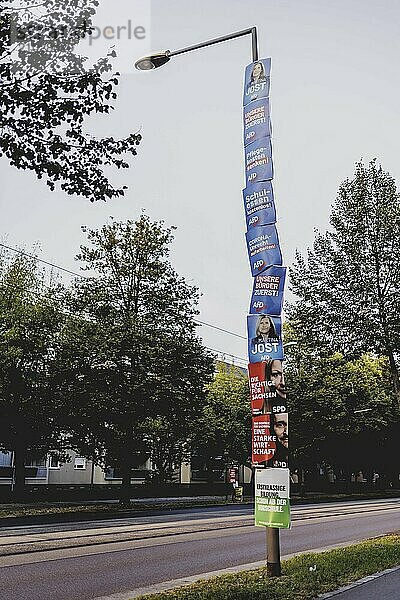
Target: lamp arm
{"x": 251, "y": 31}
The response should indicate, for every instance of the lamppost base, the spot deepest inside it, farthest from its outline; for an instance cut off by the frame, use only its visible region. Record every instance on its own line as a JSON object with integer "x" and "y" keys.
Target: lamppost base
{"x": 273, "y": 569}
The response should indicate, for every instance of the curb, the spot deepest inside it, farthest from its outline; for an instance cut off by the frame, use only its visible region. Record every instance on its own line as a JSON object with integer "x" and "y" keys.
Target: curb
{"x": 357, "y": 583}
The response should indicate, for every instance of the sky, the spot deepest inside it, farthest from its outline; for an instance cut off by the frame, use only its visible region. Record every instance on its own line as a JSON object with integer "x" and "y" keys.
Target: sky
{"x": 335, "y": 94}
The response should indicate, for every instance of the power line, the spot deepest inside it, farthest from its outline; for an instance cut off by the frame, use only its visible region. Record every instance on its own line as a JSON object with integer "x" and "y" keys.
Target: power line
{"x": 69, "y": 313}
{"x": 42, "y": 261}
{"x": 227, "y": 354}
{"x": 221, "y": 329}
{"x": 18, "y": 251}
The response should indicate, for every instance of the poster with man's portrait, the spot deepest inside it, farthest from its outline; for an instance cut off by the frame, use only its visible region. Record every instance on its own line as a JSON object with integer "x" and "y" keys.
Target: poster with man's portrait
{"x": 279, "y": 428}
{"x": 267, "y": 387}
{"x": 270, "y": 440}
{"x": 263, "y": 443}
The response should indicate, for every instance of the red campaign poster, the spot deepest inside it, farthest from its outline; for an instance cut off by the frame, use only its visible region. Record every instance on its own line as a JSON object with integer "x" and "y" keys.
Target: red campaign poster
{"x": 267, "y": 387}
{"x": 232, "y": 475}
{"x": 263, "y": 443}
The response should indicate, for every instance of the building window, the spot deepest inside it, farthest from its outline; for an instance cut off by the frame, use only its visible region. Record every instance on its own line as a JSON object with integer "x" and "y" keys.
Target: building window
{"x": 5, "y": 459}
{"x": 54, "y": 463}
{"x": 79, "y": 463}
{"x": 35, "y": 462}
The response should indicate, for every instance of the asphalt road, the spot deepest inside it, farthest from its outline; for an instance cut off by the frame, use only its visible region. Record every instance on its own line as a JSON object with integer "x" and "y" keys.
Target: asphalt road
{"x": 82, "y": 561}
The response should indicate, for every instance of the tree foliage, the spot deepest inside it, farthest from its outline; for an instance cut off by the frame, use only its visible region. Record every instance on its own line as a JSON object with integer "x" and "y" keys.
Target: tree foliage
{"x": 47, "y": 93}
{"x": 224, "y": 428}
{"x": 340, "y": 410}
{"x": 29, "y": 327}
{"x": 348, "y": 286}
{"x": 131, "y": 361}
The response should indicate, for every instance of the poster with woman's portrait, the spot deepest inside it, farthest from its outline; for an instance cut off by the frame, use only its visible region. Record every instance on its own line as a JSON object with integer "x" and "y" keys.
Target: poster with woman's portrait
{"x": 264, "y": 338}
{"x": 257, "y": 80}
{"x": 263, "y": 248}
{"x": 268, "y": 290}
{"x": 259, "y": 204}
{"x": 256, "y": 121}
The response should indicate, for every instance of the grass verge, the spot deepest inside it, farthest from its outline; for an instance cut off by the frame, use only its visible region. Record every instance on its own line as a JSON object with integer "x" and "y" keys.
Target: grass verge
{"x": 30, "y": 510}
{"x": 329, "y": 571}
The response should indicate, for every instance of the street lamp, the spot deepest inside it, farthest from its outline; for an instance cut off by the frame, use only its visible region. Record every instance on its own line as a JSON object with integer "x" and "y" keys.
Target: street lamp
{"x": 148, "y": 63}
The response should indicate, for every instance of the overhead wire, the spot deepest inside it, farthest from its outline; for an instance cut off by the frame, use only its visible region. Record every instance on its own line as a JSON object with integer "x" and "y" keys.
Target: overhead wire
{"x": 69, "y": 271}
{"x": 23, "y": 253}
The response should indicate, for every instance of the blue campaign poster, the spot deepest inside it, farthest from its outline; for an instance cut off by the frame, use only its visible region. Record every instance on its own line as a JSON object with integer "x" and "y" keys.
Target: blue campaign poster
{"x": 268, "y": 288}
{"x": 258, "y": 161}
{"x": 257, "y": 80}
{"x": 263, "y": 248}
{"x": 264, "y": 338}
{"x": 256, "y": 121}
{"x": 259, "y": 205}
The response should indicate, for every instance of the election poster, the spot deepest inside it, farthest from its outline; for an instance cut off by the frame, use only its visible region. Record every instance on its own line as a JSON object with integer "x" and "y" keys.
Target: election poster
{"x": 263, "y": 248}
{"x": 263, "y": 442}
{"x": 270, "y": 437}
{"x": 257, "y": 80}
{"x": 267, "y": 387}
{"x": 279, "y": 429}
{"x": 268, "y": 290}
{"x": 256, "y": 121}
{"x": 259, "y": 205}
{"x": 258, "y": 161}
{"x": 264, "y": 338}
{"x": 272, "y": 498}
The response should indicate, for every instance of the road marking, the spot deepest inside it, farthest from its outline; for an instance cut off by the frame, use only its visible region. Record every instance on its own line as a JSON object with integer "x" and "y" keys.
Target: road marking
{"x": 77, "y": 552}
{"x": 40, "y": 537}
{"x": 166, "y": 526}
{"x": 103, "y": 547}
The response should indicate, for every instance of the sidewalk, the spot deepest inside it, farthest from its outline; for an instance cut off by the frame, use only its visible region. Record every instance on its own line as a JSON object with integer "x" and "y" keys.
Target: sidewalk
{"x": 382, "y": 586}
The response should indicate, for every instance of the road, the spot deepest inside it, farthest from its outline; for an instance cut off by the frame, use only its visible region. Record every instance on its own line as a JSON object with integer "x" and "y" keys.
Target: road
{"x": 83, "y": 561}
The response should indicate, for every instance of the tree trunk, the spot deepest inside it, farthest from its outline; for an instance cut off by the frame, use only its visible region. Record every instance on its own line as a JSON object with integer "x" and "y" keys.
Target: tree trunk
{"x": 395, "y": 378}
{"x": 392, "y": 363}
{"x": 389, "y": 348}
{"x": 19, "y": 473}
{"x": 126, "y": 468}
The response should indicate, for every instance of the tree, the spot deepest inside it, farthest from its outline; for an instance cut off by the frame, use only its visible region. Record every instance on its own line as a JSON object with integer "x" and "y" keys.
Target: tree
{"x": 130, "y": 362}
{"x": 339, "y": 410}
{"x": 224, "y": 428}
{"x": 348, "y": 287}
{"x": 47, "y": 94}
{"x": 30, "y": 321}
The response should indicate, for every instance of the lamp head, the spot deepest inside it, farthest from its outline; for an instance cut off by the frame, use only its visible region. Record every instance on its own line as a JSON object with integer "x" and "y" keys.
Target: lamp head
{"x": 147, "y": 63}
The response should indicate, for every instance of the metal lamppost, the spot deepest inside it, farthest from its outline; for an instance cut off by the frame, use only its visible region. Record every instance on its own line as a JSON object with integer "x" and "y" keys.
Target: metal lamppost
{"x": 151, "y": 62}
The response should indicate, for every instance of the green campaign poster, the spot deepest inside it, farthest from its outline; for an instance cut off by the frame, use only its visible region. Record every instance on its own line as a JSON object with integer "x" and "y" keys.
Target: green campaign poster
{"x": 272, "y": 507}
